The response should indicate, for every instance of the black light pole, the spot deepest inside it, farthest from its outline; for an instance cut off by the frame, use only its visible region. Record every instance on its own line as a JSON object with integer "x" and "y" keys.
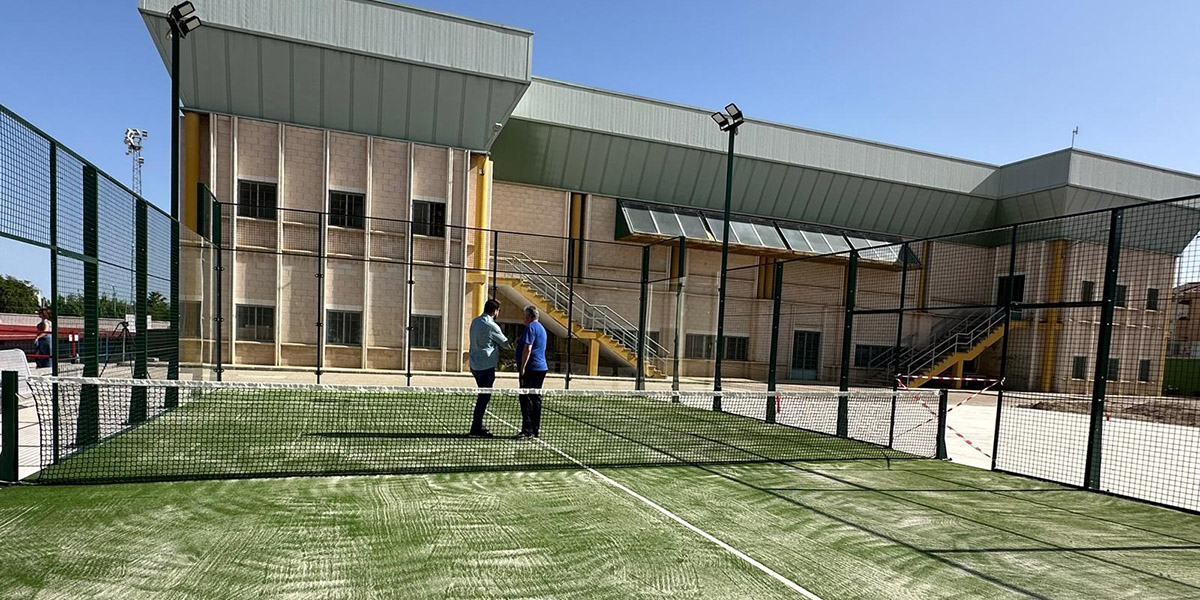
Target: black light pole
{"x": 182, "y": 20}
{"x": 729, "y": 121}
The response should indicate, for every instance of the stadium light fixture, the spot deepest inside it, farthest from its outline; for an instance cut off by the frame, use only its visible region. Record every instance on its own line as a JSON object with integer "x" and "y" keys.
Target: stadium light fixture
{"x": 735, "y": 113}
{"x": 729, "y": 121}
{"x": 182, "y": 20}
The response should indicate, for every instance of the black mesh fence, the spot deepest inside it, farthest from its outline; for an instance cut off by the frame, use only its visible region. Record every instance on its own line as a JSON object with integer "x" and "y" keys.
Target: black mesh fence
{"x": 1074, "y": 334}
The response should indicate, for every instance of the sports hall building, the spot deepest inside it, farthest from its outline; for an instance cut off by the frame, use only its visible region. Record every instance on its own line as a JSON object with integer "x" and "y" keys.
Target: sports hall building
{"x": 332, "y": 124}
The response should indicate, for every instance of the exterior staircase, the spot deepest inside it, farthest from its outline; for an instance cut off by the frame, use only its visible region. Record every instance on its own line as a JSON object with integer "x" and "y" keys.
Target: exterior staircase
{"x": 949, "y": 348}
{"x": 591, "y": 322}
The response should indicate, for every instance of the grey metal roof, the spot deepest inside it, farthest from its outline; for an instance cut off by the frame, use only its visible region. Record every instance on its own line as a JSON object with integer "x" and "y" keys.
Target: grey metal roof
{"x": 589, "y": 109}
{"x": 575, "y": 137}
{"x": 363, "y": 66}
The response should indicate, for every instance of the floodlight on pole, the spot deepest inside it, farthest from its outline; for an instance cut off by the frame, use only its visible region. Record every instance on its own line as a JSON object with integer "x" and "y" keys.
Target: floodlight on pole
{"x": 134, "y": 139}
{"x": 728, "y": 121}
{"x": 182, "y": 21}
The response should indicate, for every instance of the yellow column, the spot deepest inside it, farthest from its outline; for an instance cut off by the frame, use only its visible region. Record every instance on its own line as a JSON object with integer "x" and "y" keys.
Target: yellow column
{"x": 191, "y": 169}
{"x": 1054, "y": 294}
{"x": 477, "y": 277}
{"x": 958, "y": 374}
{"x": 593, "y": 357}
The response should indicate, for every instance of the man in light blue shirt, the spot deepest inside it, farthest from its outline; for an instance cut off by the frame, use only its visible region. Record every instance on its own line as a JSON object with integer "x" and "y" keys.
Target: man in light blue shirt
{"x": 486, "y": 341}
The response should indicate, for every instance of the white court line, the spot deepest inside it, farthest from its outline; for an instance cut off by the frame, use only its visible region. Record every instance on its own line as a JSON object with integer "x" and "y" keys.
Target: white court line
{"x": 795, "y": 587}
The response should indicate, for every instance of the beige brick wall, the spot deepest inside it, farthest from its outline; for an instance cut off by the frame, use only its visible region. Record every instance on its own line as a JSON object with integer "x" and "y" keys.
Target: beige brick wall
{"x": 344, "y": 284}
{"x": 530, "y": 210}
{"x": 429, "y": 172}
{"x": 298, "y": 300}
{"x": 223, "y": 187}
{"x": 387, "y": 305}
{"x": 258, "y": 150}
{"x": 255, "y": 278}
{"x": 304, "y": 172}
{"x": 389, "y": 183}
{"x": 255, "y": 353}
{"x": 347, "y": 162}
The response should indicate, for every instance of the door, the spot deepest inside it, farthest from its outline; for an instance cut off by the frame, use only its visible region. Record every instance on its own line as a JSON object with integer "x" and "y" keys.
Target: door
{"x": 806, "y": 349}
{"x": 1010, "y": 289}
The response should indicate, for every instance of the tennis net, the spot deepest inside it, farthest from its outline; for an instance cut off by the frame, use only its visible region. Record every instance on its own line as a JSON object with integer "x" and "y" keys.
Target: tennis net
{"x": 112, "y": 430}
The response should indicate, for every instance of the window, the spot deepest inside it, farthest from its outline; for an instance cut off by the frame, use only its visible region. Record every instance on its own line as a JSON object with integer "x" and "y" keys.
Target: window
{"x": 426, "y": 332}
{"x": 255, "y": 323}
{"x": 1144, "y": 370}
{"x": 1152, "y": 299}
{"x": 704, "y": 346}
{"x": 346, "y": 209}
{"x": 737, "y": 348}
{"x": 1087, "y": 292}
{"x": 343, "y": 327}
{"x": 429, "y": 218}
{"x": 868, "y": 356}
{"x": 190, "y": 323}
{"x": 1122, "y": 297}
{"x": 1079, "y": 367}
{"x": 1114, "y": 369}
{"x": 256, "y": 199}
{"x": 699, "y": 345}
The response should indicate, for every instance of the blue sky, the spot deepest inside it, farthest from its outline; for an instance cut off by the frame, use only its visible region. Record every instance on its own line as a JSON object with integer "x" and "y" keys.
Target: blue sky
{"x": 994, "y": 82}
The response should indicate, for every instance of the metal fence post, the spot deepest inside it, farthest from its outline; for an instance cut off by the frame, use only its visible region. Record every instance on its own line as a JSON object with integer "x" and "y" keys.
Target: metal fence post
{"x": 776, "y": 304}
{"x": 137, "y": 397}
{"x": 643, "y": 304}
{"x": 495, "y": 258}
{"x": 88, "y": 421}
{"x": 54, "y": 332}
{"x": 943, "y": 404}
{"x": 897, "y": 350}
{"x": 570, "y": 305}
{"x": 8, "y": 434}
{"x": 219, "y": 268}
{"x": 1103, "y": 348}
{"x": 321, "y": 294}
{"x": 1012, "y": 268}
{"x": 171, "y": 399}
{"x": 843, "y": 409}
{"x": 408, "y": 328}
{"x": 680, "y": 283}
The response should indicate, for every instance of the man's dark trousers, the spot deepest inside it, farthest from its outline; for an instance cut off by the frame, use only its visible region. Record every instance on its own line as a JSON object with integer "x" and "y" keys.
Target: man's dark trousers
{"x": 531, "y": 404}
{"x": 483, "y": 379}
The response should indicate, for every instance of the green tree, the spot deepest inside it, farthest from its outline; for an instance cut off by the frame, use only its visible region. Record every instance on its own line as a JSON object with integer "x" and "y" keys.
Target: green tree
{"x": 17, "y": 296}
{"x": 157, "y": 307}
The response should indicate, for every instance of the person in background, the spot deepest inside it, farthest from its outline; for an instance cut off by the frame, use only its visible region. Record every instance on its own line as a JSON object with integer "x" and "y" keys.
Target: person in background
{"x": 41, "y": 344}
{"x": 531, "y": 365}
{"x": 486, "y": 341}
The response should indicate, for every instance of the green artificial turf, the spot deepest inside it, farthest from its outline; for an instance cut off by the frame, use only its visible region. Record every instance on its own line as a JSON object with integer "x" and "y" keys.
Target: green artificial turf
{"x": 841, "y": 529}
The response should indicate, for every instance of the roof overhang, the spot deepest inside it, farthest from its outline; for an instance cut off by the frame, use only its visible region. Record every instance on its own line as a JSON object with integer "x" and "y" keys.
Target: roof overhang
{"x": 362, "y": 66}
{"x": 574, "y": 137}
{"x": 569, "y": 136}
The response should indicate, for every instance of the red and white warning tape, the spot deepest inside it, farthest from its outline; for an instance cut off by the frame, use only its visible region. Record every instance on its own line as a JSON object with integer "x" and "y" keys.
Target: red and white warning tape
{"x": 948, "y": 427}
{"x": 944, "y": 378}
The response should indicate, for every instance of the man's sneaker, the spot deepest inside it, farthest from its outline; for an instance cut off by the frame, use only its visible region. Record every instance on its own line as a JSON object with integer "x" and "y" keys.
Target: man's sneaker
{"x": 524, "y": 435}
{"x": 481, "y": 433}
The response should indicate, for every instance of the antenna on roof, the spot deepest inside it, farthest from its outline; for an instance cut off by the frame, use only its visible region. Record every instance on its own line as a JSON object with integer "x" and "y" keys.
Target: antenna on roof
{"x": 1074, "y": 132}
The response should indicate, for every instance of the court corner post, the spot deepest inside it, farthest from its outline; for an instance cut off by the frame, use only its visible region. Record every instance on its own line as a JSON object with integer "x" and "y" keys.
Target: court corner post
{"x": 776, "y": 297}
{"x": 643, "y": 306}
{"x": 8, "y": 434}
{"x": 843, "y": 409}
{"x": 943, "y": 404}
{"x": 1091, "y": 479}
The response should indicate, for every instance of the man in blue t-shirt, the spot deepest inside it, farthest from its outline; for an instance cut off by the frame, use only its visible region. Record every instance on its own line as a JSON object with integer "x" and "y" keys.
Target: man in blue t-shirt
{"x": 531, "y": 366}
